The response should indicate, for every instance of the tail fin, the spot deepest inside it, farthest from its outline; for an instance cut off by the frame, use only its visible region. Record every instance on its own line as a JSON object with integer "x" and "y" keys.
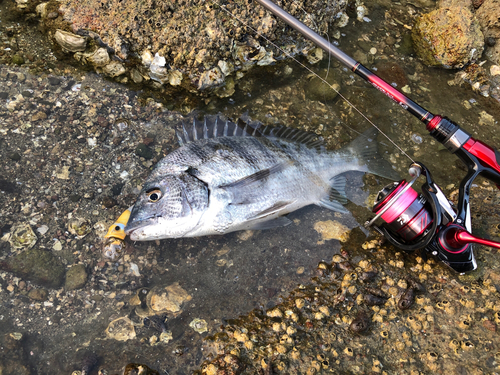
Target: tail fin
{"x": 365, "y": 148}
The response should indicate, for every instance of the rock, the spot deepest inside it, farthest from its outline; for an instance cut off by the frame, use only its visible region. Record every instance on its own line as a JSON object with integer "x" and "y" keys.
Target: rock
{"x": 17, "y": 59}
{"x": 54, "y": 81}
{"x": 76, "y": 277}
{"x": 392, "y": 73}
{"x": 454, "y": 3}
{"x": 488, "y": 17}
{"x": 448, "y": 37}
{"x": 189, "y": 38}
{"x": 109, "y": 202}
{"x": 15, "y": 156}
{"x": 38, "y": 294}
{"x": 144, "y": 151}
{"x": 319, "y": 90}
{"x": 38, "y": 266}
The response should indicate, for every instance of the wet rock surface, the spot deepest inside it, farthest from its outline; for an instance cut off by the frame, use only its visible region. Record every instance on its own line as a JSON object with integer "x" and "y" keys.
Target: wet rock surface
{"x": 448, "y": 37}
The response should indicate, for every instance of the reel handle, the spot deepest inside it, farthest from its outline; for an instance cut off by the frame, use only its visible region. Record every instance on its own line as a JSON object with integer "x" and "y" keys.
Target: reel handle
{"x": 457, "y": 237}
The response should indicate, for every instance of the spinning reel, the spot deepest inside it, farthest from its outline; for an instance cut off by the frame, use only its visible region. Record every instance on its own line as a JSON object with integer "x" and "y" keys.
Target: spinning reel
{"x": 428, "y": 220}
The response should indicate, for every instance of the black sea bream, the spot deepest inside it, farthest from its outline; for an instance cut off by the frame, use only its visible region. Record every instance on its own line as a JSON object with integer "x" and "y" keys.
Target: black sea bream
{"x": 227, "y": 177}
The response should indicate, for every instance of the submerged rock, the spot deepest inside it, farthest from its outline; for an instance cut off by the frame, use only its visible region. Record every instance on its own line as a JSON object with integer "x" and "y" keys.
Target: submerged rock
{"x": 448, "y": 37}
{"x": 76, "y": 277}
{"x": 38, "y": 266}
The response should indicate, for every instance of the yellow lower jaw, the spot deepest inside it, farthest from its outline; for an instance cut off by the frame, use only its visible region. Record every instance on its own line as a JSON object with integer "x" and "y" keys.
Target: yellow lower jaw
{"x": 117, "y": 230}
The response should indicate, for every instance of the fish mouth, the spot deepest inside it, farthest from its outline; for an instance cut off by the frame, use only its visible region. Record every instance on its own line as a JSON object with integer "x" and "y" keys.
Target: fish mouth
{"x": 135, "y": 226}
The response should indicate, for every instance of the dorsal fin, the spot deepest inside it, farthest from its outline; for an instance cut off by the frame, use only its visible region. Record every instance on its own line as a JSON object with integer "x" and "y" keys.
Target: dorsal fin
{"x": 226, "y": 128}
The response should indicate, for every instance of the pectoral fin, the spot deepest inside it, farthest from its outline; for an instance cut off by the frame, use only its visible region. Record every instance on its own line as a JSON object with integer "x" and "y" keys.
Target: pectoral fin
{"x": 336, "y": 195}
{"x": 274, "y": 209}
{"x": 255, "y": 177}
{"x": 270, "y": 224}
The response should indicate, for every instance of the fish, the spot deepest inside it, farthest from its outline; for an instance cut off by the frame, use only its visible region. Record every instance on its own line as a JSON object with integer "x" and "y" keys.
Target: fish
{"x": 228, "y": 176}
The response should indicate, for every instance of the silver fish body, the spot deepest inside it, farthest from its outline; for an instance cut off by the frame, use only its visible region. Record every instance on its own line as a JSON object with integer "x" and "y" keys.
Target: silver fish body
{"x": 226, "y": 177}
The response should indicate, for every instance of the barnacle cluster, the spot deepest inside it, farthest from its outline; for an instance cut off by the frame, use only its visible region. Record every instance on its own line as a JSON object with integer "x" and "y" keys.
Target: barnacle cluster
{"x": 361, "y": 314}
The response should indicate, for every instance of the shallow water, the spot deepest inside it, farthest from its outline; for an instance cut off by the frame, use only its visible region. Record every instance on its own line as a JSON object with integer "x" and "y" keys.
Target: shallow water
{"x": 231, "y": 275}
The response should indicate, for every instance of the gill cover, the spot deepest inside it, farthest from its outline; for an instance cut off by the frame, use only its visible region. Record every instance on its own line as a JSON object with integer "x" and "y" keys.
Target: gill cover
{"x": 168, "y": 207}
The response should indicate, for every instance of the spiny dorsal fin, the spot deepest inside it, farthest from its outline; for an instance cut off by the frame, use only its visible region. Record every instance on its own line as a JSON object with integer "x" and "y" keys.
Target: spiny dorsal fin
{"x": 226, "y": 128}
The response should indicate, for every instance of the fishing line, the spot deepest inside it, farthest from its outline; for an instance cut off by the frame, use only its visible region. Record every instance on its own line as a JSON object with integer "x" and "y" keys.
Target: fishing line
{"x": 318, "y": 76}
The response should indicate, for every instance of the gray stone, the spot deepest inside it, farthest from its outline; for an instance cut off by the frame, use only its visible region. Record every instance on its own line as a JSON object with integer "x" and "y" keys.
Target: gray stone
{"x": 76, "y": 277}
{"x": 38, "y": 294}
{"x": 144, "y": 151}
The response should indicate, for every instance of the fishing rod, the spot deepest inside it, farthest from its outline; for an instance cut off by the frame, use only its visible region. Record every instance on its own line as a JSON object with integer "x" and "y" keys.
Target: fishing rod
{"x": 407, "y": 219}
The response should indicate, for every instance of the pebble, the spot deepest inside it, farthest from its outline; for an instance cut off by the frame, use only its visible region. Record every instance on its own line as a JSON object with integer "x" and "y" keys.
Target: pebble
{"x": 76, "y": 277}
{"x": 18, "y": 60}
{"x": 144, "y": 151}
{"x": 54, "y": 81}
{"x": 38, "y": 294}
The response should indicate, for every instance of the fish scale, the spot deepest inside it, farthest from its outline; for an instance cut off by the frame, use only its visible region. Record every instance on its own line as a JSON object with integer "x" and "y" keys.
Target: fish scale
{"x": 230, "y": 176}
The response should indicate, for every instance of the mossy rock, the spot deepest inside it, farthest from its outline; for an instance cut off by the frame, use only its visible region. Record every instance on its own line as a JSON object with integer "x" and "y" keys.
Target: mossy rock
{"x": 38, "y": 266}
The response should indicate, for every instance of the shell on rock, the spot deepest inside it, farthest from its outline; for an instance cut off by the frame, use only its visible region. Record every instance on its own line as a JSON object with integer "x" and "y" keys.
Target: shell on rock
{"x": 79, "y": 227}
{"x": 315, "y": 55}
{"x": 121, "y": 329}
{"x": 99, "y": 58}
{"x": 113, "y": 248}
{"x": 168, "y": 299}
{"x": 225, "y": 67}
{"x": 41, "y": 10}
{"x": 22, "y": 237}
{"x": 210, "y": 78}
{"x": 138, "y": 369}
{"x": 114, "y": 69}
{"x": 175, "y": 78}
{"x": 158, "y": 72}
{"x": 332, "y": 230}
{"x": 69, "y": 41}
{"x": 140, "y": 297}
{"x": 199, "y": 325}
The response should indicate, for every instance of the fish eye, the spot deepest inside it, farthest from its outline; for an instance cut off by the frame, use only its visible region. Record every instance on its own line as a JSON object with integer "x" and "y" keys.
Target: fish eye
{"x": 154, "y": 194}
